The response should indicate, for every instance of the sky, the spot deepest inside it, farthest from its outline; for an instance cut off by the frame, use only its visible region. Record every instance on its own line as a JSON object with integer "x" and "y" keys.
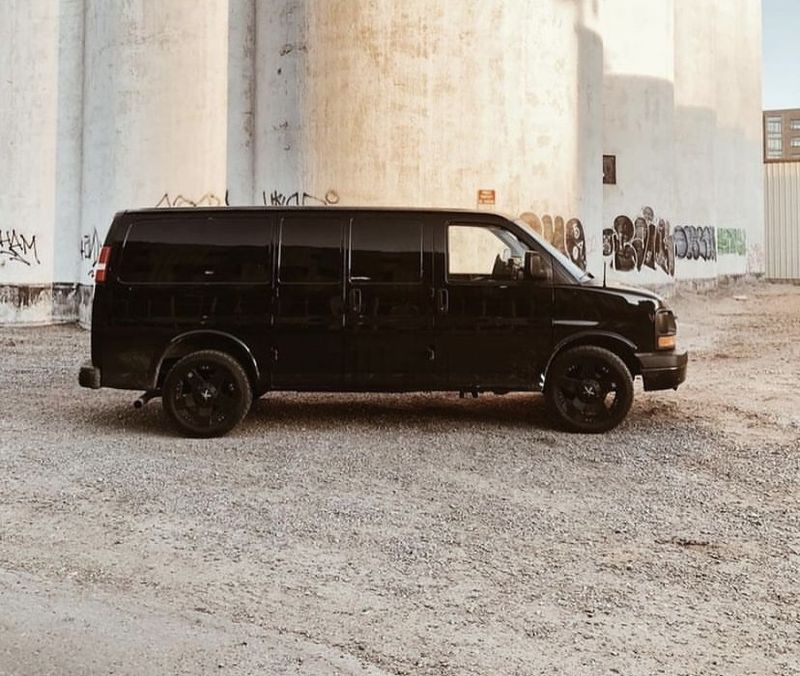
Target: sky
{"x": 781, "y": 55}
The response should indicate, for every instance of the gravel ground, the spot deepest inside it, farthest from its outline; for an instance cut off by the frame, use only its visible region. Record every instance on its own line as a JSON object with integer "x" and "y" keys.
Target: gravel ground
{"x": 414, "y": 534}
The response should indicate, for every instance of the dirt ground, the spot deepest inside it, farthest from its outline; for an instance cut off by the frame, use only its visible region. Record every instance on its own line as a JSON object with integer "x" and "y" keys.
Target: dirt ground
{"x": 415, "y": 534}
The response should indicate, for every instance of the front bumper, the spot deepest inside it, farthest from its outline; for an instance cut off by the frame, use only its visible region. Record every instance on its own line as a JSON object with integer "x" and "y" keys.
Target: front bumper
{"x": 89, "y": 376}
{"x": 663, "y": 370}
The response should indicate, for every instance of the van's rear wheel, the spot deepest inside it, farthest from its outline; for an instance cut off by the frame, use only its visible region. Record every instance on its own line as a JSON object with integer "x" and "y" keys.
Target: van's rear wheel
{"x": 206, "y": 394}
{"x": 589, "y": 389}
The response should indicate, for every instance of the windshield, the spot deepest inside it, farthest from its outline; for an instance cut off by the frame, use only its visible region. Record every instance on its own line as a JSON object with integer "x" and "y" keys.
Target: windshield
{"x": 565, "y": 261}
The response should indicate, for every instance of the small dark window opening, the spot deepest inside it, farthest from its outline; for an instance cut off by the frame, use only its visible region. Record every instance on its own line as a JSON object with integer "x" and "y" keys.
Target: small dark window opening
{"x": 310, "y": 250}
{"x": 609, "y": 169}
{"x": 386, "y": 250}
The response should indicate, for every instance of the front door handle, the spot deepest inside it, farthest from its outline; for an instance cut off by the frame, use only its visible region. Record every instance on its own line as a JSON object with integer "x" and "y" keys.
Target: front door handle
{"x": 442, "y": 301}
{"x": 355, "y": 300}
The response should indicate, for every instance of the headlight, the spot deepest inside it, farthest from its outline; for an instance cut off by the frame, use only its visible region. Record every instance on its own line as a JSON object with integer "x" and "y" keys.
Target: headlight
{"x": 666, "y": 330}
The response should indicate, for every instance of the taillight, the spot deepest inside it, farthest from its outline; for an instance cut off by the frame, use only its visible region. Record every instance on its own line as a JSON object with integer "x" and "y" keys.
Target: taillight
{"x": 100, "y": 266}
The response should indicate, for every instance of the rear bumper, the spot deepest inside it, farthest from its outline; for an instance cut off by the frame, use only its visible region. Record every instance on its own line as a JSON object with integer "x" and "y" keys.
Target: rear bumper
{"x": 663, "y": 370}
{"x": 89, "y": 376}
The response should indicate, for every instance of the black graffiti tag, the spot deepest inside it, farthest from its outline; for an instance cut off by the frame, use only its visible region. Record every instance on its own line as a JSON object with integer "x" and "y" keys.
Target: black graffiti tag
{"x": 643, "y": 242}
{"x": 18, "y": 248}
{"x": 90, "y": 249}
{"x": 298, "y": 199}
{"x": 207, "y": 200}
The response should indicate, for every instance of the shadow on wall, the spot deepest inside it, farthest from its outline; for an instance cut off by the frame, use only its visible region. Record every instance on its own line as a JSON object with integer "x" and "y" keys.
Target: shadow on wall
{"x": 589, "y": 125}
{"x": 704, "y": 177}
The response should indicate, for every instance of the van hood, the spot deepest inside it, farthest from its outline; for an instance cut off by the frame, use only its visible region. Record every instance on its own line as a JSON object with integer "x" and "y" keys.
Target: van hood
{"x": 631, "y": 292}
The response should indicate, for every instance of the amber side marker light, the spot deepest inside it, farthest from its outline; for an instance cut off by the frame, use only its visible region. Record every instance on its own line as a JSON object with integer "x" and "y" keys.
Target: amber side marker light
{"x": 100, "y": 268}
{"x": 666, "y": 342}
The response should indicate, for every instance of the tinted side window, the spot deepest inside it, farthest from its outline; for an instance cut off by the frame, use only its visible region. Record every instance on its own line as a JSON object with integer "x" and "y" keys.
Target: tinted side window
{"x": 311, "y": 250}
{"x": 386, "y": 250}
{"x": 216, "y": 249}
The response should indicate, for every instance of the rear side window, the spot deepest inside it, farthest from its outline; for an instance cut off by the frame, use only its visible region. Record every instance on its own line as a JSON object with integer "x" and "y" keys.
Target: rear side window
{"x": 311, "y": 250}
{"x": 228, "y": 250}
{"x": 386, "y": 250}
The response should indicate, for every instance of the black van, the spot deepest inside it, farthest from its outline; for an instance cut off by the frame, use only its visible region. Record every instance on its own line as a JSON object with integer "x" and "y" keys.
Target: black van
{"x": 209, "y": 308}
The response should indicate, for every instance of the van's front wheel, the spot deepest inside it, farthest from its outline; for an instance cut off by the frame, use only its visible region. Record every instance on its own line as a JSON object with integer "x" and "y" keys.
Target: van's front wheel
{"x": 589, "y": 389}
{"x": 206, "y": 394}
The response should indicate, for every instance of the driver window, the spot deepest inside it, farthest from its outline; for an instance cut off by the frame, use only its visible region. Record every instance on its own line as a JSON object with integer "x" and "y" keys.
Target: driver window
{"x": 483, "y": 253}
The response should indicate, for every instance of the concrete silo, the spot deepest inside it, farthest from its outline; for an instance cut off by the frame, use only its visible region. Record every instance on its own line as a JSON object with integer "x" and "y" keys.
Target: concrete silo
{"x": 41, "y": 55}
{"x": 738, "y": 150}
{"x": 154, "y": 109}
{"x": 427, "y": 103}
{"x": 638, "y": 133}
{"x": 694, "y": 216}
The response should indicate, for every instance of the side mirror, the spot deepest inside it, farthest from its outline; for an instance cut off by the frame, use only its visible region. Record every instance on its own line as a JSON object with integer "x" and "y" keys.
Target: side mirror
{"x": 537, "y": 267}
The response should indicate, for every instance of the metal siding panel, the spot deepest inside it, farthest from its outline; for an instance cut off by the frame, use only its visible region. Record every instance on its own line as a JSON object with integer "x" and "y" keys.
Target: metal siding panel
{"x": 782, "y": 216}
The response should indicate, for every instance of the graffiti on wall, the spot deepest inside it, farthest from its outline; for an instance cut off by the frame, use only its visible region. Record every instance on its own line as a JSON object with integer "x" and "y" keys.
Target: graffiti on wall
{"x": 645, "y": 242}
{"x": 731, "y": 241}
{"x": 299, "y": 199}
{"x": 90, "y": 249}
{"x": 650, "y": 242}
{"x": 695, "y": 243}
{"x": 569, "y": 237}
{"x": 273, "y": 199}
{"x": 17, "y": 247}
{"x": 207, "y": 200}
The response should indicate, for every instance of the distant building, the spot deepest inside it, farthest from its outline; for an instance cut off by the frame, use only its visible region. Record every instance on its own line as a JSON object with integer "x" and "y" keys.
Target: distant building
{"x": 782, "y": 135}
{"x": 781, "y": 187}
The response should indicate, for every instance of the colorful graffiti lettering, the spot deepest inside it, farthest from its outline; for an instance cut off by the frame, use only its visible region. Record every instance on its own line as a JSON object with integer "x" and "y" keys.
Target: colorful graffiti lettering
{"x": 644, "y": 242}
{"x": 731, "y": 241}
{"x": 568, "y": 237}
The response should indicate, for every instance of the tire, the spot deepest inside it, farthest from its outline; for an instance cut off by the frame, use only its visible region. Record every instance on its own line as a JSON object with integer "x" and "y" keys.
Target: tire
{"x": 206, "y": 394}
{"x": 589, "y": 389}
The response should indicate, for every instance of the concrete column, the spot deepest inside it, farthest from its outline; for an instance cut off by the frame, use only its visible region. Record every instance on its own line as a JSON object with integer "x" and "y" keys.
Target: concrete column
{"x": 71, "y": 247}
{"x": 155, "y": 107}
{"x": 425, "y": 103}
{"x": 739, "y": 183}
{"x": 28, "y": 89}
{"x": 241, "y": 101}
{"x": 638, "y": 130}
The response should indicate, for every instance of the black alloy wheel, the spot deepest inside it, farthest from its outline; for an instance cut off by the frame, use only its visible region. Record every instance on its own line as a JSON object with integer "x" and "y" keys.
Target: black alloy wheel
{"x": 206, "y": 394}
{"x": 589, "y": 389}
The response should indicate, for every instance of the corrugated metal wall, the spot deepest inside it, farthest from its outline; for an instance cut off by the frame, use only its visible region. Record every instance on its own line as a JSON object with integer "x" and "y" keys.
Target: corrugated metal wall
{"x": 782, "y": 211}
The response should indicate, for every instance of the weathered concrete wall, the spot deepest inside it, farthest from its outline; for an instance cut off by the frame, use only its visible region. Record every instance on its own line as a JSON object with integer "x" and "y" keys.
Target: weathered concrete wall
{"x": 739, "y": 180}
{"x": 112, "y": 104}
{"x": 155, "y": 107}
{"x": 28, "y": 132}
{"x": 639, "y": 130}
{"x": 682, "y": 114}
{"x": 425, "y": 104}
{"x": 155, "y": 111}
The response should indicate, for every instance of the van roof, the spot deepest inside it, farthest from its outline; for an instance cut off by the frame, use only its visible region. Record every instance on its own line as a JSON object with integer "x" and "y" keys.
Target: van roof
{"x": 293, "y": 209}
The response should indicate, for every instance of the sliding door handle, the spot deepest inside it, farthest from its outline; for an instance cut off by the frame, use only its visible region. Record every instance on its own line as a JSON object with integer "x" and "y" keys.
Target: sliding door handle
{"x": 355, "y": 301}
{"x": 442, "y": 301}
